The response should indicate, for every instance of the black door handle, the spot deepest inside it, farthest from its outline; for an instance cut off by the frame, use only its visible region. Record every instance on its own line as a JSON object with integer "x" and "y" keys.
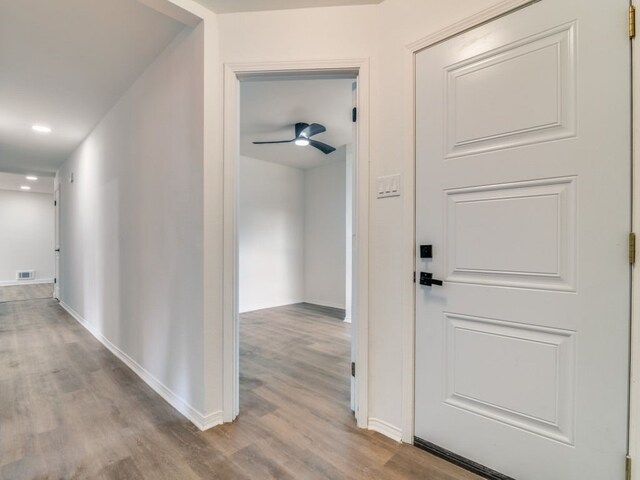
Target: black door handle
{"x": 427, "y": 279}
{"x": 57, "y": 249}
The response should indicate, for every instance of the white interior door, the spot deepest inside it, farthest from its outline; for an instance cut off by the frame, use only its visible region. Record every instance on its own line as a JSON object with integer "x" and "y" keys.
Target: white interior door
{"x": 523, "y": 190}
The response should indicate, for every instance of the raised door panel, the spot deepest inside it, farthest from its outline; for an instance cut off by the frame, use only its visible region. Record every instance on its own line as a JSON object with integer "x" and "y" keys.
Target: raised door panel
{"x": 519, "y": 94}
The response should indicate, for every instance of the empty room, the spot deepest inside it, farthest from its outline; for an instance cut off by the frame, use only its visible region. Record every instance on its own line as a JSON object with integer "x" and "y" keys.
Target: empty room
{"x": 319, "y": 239}
{"x": 295, "y": 244}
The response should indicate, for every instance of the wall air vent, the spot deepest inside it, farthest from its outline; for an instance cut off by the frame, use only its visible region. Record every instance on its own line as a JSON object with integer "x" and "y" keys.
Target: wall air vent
{"x": 25, "y": 275}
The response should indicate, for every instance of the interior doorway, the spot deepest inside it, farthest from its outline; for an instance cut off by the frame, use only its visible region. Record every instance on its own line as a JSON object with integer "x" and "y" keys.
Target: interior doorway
{"x": 27, "y": 266}
{"x": 234, "y": 73}
{"x": 295, "y": 239}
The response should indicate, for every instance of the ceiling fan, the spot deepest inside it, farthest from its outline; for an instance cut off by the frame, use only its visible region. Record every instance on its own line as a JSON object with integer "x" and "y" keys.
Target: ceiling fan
{"x": 304, "y": 132}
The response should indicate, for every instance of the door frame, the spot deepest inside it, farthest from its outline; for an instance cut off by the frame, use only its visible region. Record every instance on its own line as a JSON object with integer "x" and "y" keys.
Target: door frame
{"x": 56, "y": 242}
{"x": 634, "y": 380}
{"x": 233, "y": 74}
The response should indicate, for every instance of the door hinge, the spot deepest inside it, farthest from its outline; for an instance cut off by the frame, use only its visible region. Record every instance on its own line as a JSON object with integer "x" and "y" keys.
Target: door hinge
{"x": 632, "y": 248}
{"x": 354, "y": 114}
{"x": 627, "y": 468}
{"x": 414, "y": 277}
{"x": 353, "y": 369}
{"x": 55, "y": 203}
{"x": 632, "y": 21}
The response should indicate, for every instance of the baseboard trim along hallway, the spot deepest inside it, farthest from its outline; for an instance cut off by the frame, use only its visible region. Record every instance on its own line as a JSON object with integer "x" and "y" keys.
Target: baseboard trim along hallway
{"x": 200, "y": 420}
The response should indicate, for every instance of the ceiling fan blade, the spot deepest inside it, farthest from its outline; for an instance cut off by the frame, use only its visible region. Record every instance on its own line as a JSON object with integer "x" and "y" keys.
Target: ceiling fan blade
{"x": 323, "y": 147}
{"x": 277, "y": 141}
{"x": 300, "y": 127}
{"x": 313, "y": 129}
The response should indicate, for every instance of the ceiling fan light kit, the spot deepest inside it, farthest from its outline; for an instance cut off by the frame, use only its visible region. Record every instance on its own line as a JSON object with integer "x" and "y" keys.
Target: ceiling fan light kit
{"x": 304, "y": 132}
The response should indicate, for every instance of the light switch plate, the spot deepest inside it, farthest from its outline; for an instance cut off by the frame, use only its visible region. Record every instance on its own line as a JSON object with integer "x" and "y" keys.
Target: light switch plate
{"x": 388, "y": 186}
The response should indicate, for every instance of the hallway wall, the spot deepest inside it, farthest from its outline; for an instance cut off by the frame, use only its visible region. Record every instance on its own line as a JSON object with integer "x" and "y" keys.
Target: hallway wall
{"x": 132, "y": 225}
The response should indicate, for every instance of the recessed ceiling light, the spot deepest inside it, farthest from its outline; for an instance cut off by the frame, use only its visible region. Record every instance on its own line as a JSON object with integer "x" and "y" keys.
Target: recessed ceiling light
{"x": 41, "y": 129}
{"x": 25, "y": 187}
{"x": 31, "y": 178}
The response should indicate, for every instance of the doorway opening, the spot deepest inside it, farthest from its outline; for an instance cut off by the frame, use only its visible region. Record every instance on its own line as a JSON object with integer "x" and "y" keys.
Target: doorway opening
{"x": 27, "y": 263}
{"x": 354, "y": 72}
{"x": 295, "y": 202}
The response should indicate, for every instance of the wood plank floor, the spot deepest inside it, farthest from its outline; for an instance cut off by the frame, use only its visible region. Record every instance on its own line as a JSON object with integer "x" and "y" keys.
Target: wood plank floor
{"x": 12, "y": 293}
{"x": 69, "y": 409}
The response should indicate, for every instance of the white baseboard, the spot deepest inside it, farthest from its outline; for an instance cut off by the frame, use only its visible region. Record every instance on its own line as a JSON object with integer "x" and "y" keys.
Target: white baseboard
{"x": 11, "y": 283}
{"x": 323, "y": 303}
{"x": 255, "y": 308}
{"x": 203, "y": 422}
{"x": 386, "y": 429}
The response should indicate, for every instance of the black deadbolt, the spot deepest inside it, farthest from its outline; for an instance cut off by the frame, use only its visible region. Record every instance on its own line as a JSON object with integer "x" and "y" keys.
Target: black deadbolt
{"x": 426, "y": 251}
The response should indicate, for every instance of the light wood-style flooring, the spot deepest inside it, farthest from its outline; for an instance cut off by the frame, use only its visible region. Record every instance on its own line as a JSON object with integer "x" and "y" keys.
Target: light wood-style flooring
{"x": 31, "y": 291}
{"x": 70, "y": 410}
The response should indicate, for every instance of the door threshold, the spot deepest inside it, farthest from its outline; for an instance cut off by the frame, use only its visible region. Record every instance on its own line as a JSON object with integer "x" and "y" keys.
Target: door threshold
{"x": 470, "y": 465}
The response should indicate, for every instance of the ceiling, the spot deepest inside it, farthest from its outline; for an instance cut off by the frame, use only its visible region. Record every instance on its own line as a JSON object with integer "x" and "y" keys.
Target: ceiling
{"x": 64, "y": 63}
{"x": 10, "y": 181}
{"x": 230, "y": 6}
{"x": 269, "y": 109}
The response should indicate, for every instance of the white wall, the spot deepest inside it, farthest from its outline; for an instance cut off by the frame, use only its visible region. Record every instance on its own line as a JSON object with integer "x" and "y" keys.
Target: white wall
{"x": 325, "y": 232}
{"x": 291, "y": 234}
{"x": 27, "y": 235}
{"x": 270, "y": 234}
{"x": 132, "y": 226}
{"x": 380, "y": 33}
{"x": 350, "y": 189}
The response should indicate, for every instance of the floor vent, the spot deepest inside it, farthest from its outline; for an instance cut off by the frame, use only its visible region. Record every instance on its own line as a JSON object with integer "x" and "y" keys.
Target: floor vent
{"x": 26, "y": 275}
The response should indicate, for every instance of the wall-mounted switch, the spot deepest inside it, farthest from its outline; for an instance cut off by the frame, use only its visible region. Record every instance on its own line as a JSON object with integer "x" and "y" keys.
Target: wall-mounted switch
{"x": 388, "y": 186}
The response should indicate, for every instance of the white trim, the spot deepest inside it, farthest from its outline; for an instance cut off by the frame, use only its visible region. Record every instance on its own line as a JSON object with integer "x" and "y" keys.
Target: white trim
{"x": 359, "y": 67}
{"x": 386, "y": 429}
{"x": 322, "y": 303}
{"x": 203, "y": 422}
{"x": 347, "y": 320}
{"x": 11, "y": 283}
{"x": 634, "y": 372}
{"x": 409, "y": 206}
{"x": 409, "y": 259}
{"x": 56, "y": 239}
